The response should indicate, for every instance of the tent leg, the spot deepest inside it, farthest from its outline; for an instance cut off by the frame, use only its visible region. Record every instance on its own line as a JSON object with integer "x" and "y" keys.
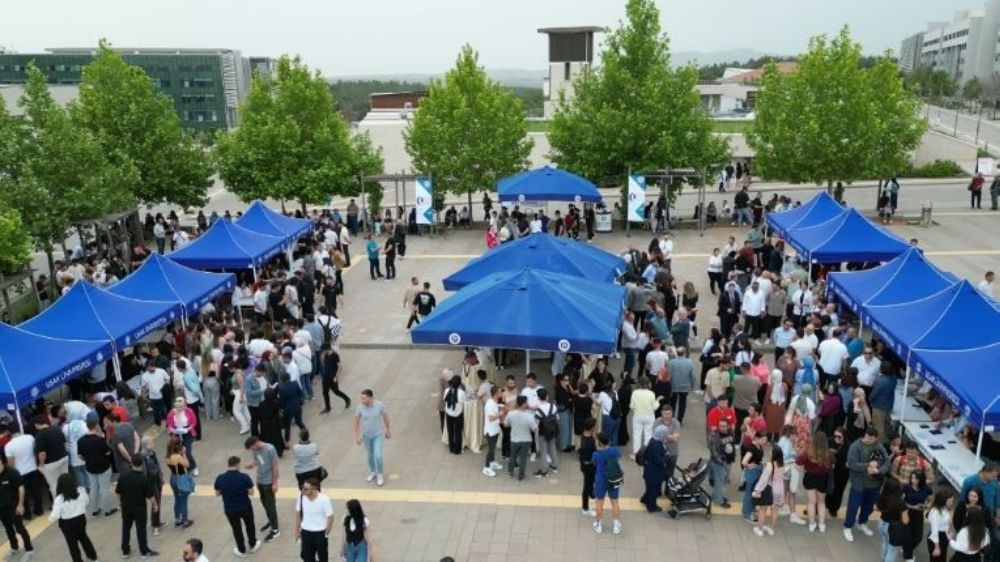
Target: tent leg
{"x": 906, "y": 385}
{"x": 809, "y": 275}
{"x": 239, "y": 315}
{"x": 982, "y": 430}
{"x": 527, "y": 361}
{"x": 116, "y": 364}
{"x": 20, "y": 419}
{"x": 255, "y": 274}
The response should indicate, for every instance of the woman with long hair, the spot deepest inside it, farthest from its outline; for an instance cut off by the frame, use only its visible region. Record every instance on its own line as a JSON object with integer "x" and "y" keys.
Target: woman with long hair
{"x": 712, "y": 352}
{"x": 789, "y": 365}
{"x": 181, "y": 481}
{"x": 971, "y": 540}
{"x": 973, "y": 498}
{"x": 70, "y": 508}
{"x": 916, "y": 494}
{"x": 939, "y": 521}
{"x": 689, "y": 300}
{"x": 357, "y": 539}
{"x": 270, "y": 421}
{"x": 841, "y": 474}
{"x": 859, "y": 415}
{"x": 769, "y": 492}
{"x": 894, "y": 516}
{"x": 454, "y": 404}
{"x": 816, "y": 463}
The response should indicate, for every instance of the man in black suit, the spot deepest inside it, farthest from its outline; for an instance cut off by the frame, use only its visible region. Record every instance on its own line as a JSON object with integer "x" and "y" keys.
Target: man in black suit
{"x": 729, "y": 308}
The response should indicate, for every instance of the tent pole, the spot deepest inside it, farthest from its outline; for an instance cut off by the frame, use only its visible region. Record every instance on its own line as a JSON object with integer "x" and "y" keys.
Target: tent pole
{"x": 527, "y": 361}
{"x": 239, "y": 314}
{"x": 982, "y": 426}
{"x": 116, "y": 364}
{"x": 906, "y": 385}
{"x": 809, "y": 275}
{"x": 255, "y": 274}
{"x": 20, "y": 418}
{"x": 628, "y": 219}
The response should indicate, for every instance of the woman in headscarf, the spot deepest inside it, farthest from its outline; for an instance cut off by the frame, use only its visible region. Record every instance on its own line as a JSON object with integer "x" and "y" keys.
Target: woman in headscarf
{"x": 806, "y": 375}
{"x": 801, "y": 416}
{"x": 859, "y": 416}
{"x": 831, "y": 410}
{"x": 775, "y": 400}
{"x": 454, "y": 405}
{"x": 654, "y": 468}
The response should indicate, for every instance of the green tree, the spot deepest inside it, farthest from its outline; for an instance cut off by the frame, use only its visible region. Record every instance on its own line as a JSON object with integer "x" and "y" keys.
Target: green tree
{"x": 368, "y": 161}
{"x": 292, "y": 144}
{"x": 15, "y": 243}
{"x": 972, "y": 90}
{"x": 469, "y": 132}
{"x": 634, "y": 111}
{"x": 831, "y": 119}
{"x": 138, "y": 127}
{"x": 64, "y": 173}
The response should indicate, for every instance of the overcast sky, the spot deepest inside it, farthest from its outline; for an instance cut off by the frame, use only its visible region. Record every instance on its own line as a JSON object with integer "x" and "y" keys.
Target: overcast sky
{"x": 343, "y": 37}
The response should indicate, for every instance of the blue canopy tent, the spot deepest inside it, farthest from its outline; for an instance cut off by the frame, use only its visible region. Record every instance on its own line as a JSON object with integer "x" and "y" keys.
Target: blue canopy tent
{"x": 966, "y": 378}
{"x": 88, "y": 313}
{"x": 33, "y": 365}
{"x": 906, "y": 278}
{"x": 817, "y": 210}
{"x": 159, "y": 278}
{"x": 530, "y": 310}
{"x": 547, "y": 184}
{"x": 900, "y": 325}
{"x": 847, "y": 237}
{"x": 540, "y": 252}
{"x": 262, "y": 220}
{"x": 228, "y": 246}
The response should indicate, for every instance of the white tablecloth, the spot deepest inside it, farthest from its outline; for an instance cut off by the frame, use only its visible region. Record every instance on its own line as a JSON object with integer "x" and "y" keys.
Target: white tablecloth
{"x": 950, "y": 457}
{"x": 913, "y": 410}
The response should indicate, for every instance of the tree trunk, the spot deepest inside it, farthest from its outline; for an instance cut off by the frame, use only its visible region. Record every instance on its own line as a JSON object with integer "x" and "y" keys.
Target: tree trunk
{"x": 829, "y": 186}
{"x": 305, "y": 213}
{"x": 471, "y": 214}
{"x": 137, "y": 235}
{"x": 283, "y": 211}
{"x": 52, "y": 272}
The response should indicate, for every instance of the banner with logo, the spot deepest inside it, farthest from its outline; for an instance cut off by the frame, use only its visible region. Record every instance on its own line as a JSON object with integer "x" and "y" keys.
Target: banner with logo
{"x": 425, "y": 201}
{"x": 636, "y": 197}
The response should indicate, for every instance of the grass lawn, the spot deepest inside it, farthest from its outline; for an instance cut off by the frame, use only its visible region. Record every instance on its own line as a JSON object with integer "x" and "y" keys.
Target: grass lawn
{"x": 718, "y": 126}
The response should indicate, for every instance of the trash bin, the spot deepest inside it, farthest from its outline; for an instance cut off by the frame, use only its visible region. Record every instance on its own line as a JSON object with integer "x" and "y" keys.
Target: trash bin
{"x": 603, "y": 221}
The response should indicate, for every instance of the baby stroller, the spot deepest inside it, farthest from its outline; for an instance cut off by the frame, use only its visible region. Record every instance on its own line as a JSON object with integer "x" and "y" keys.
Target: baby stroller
{"x": 685, "y": 492}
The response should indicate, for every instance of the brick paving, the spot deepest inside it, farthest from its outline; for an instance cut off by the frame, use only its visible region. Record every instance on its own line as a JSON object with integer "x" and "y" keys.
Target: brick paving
{"x": 435, "y": 504}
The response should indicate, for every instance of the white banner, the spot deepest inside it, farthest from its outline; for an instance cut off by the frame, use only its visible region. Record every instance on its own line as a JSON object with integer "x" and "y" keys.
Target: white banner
{"x": 636, "y": 197}
{"x": 985, "y": 166}
{"x": 425, "y": 201}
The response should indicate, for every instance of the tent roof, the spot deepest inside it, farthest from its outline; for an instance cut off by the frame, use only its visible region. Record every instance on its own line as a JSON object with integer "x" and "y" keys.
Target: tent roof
{"x": 159, "y": 278}
{"x": 901, "y": 324}
{"x": 971, "y": 320}
{"x": 962, "y": 376}
{"x": 817, "y": 210}
{"x": 547, "y": 184}
{"x": 88, "y": 313}
{"x": 847, "y": 237}
{"x": 261, "y": 219}
{"x": 540, "y": 252}
{"x": 906, "y": 278}
{"x": 32, "y": 365}
{"x": 530, "y": 309}
{"x": 228, "y": 246}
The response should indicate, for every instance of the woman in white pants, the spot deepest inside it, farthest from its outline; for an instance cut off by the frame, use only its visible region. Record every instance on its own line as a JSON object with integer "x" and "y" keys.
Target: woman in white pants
{"x": 240, "y": 410}
{"x": 213, "y": 393}
{"x": 643, "y": 404}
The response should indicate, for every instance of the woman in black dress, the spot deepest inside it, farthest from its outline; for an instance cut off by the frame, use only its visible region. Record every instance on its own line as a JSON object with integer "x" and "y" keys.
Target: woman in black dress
{"x": 582, "y": 406}
{"x": 625, "y": 401}
{"x": 270, "y": 421}
{"x": 840, "y": 473}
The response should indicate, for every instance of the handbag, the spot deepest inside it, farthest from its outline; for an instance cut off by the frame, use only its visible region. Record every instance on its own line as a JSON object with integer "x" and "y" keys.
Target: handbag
{"x": 185, "y": 483}
{"x": 323, "y": 474}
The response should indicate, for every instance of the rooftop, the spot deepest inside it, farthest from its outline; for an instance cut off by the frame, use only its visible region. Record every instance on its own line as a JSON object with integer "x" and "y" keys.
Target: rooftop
{"x": 577, "y": 29}
{"x": 756, "y": 74}
{"x": 140, "y": 51}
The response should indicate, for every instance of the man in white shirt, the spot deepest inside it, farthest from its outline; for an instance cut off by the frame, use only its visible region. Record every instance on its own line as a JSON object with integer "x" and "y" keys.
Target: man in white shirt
{"x": 656, "y": 359}
{"x": 986, "y": 285}
{"x": 313, "y": 520}
{"x": 260, "y": 299}
{"x": 530, "y": 391}
{"x": 643, "y": 405}
{"x": 535, "y": 225}
{"x": 803, "y": 346}
{"x": 630, "y": 342}
{"x": 160, "y": 234}
{"x": 667, "y": 247}
{"x": 152, "y": 383}
{"x": 833, "y": 357}
{"x": 491, "y": 428}
{"x": 181, "y": 239}
{"x": 868, "y": 367}
{"x": 290, "y": 367}
{"x": 20, "y": 454}
{"x": 258, "y": 346}
{"x": 755, "y": 308}
{"x": 330, "y": 238}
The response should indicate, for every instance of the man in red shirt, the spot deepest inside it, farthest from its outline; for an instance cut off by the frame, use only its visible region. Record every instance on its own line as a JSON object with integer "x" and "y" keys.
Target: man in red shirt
{"x": 720, "y": 411}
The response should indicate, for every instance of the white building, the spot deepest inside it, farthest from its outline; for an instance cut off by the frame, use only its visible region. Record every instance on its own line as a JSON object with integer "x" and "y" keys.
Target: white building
{"x": 965, "y": 47}
{"x": 571, "y": 53}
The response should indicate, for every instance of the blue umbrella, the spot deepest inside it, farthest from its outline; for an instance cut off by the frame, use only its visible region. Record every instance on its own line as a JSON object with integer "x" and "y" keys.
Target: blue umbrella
{"x": 540, "y": 252}
{"x": 548, "y": 184}
{"x": 529, "y": 309}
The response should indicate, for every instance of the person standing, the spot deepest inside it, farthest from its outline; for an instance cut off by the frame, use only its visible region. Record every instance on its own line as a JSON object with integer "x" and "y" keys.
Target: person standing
{"x": 235, "y": 488}
{"x": 389, "y": 251}
{"x": 357, "y": 543}
{"x": 547, "y": 420}
{"x": 265, "y": 460}
{"x": 181, "y": 481}
{"x": 643, "y": 404}
{"x": 608, "y": 479}
{"x": 399, "y": 233}
{"x": 491, "y": 427}
{"x": 994, "y": 193}
{"x": 682, "y": 381}
{"x": 976, "y": 191}
{"x": 183, "y": 423}
{"x": 409, "y": 302}
{"x": 97, "y": 458}
{"x": 12, "y": 494}
{"x": 611, "y": 412}
{"x": 20, "y": 455}
{"x": 587, "y": 448}
{"x": 752, "y": 463}
{"x": 331, "y": 373}
{"x": 154, "y": 379}
{"x": 521, "y": 422}
{"x": 50, "y": 447}
{"x": 454, "y": 406}
{"x": 371, "y": 248}
{"x": 986, "y": 285}
{"x": 160, "y": 235}
{"x": 730, "y": 304}
{"x": 372, "y": 428}
{"x": 69, "y": 508}
{"x": 868, "y": 462}
{"x": 722, "y": 454}
{"x": 305, "y": 460}
{"x": 654, "y": 469}
{"x": 134, "y": 489}
{"x": 313, "y": 521}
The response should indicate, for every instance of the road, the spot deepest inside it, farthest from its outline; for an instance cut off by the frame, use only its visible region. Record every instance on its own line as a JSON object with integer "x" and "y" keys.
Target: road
{"x": 965, "y": 128}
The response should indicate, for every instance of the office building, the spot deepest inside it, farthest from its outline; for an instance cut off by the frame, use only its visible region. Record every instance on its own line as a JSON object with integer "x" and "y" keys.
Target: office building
{"x": 207, "y": 85}
{"x": 964, "y": 47}
{"x": 909, "y": 52}
{"x": 571, "y": 52}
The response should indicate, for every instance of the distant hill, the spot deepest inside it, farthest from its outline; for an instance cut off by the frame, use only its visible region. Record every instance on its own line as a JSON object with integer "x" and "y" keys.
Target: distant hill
{"x": 513, "y": 77}
{"x": 699, "y": 58}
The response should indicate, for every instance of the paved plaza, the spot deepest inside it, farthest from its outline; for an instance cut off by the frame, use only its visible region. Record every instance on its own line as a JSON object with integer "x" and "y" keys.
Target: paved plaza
{"x": 435, "y": 504}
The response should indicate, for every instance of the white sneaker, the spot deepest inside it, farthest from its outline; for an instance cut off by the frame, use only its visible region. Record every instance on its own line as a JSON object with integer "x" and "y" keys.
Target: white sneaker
{"x": 598, "y": 528}
{"x": 699, "y": 392}
{"x": 256, "y": 546}
{"x": 769, "y": 531}
{"x": 588, "y": 512}
{"x": 195, "y": 472}
{"x": 496, "y": 466}
{"x": 812, "y": 527}
{"x": 533, "y": 457}
{"x": 617, "y": 528}
{"x": 239, "y": 554}
{"x": 758, "y": 531}
{"x": 489, "y": 472}
{"x": 797, "y": 519}
{"x": 849, "y": 535}
{"x": 822, "y": 527}
{"x": 379, "y": 481}
{"x": 866, "y": 529}
{"x": 371, "y": 477}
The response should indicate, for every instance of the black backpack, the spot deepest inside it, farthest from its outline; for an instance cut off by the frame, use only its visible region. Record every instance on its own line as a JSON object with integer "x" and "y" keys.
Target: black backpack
{"x": 548, "y": 424}
{"x": 616, "y": 408}
{"x": 613, "y": 472}
{"x": 640, "y": 456}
